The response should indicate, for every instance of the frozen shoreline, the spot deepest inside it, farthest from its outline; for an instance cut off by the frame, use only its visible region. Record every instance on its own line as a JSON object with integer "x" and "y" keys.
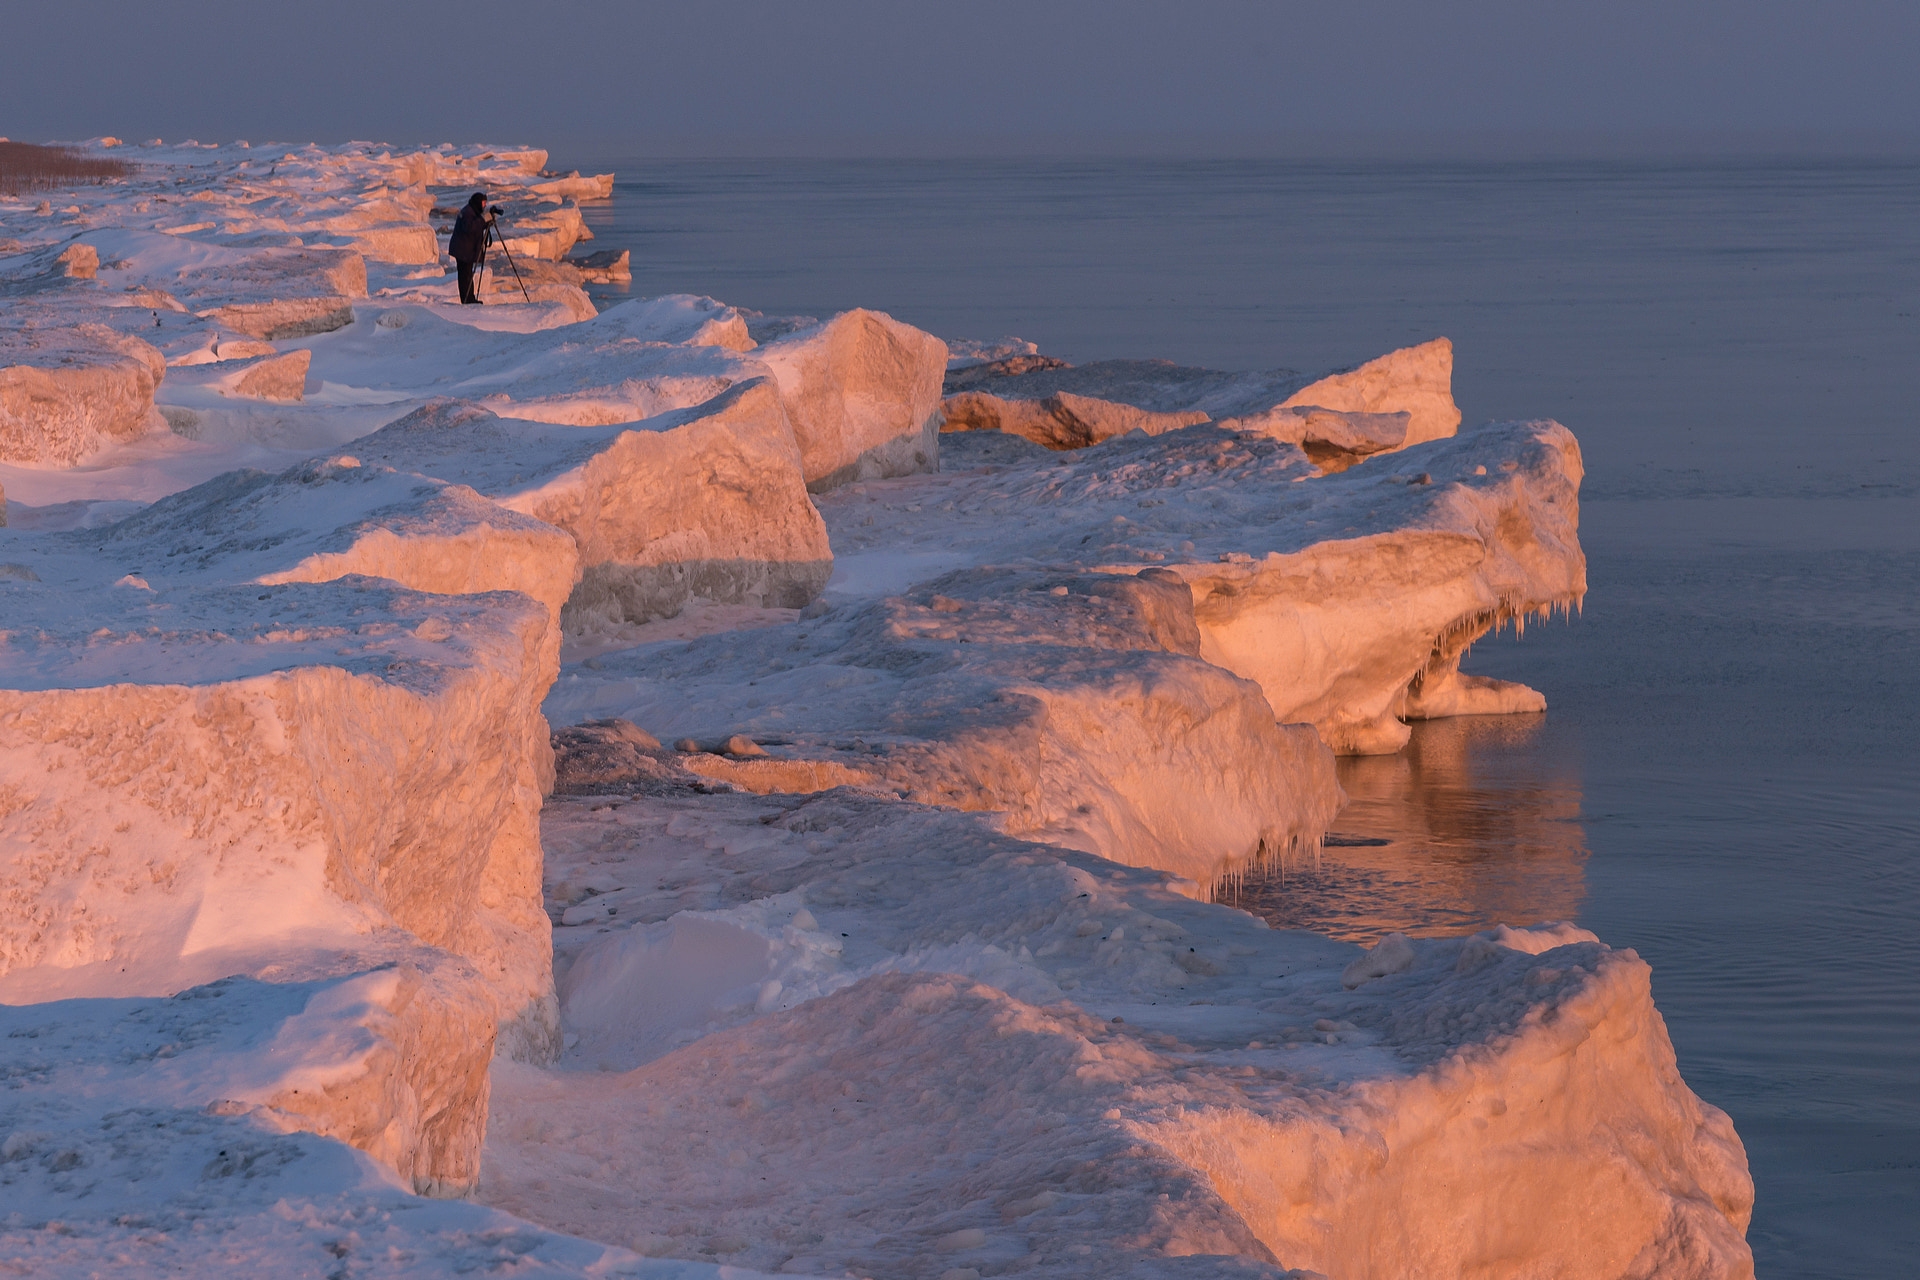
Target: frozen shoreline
{"x": 856, "y": 421}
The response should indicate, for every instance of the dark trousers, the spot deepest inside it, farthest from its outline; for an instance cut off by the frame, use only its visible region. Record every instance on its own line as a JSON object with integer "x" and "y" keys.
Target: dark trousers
{"x": 467, "y": 292}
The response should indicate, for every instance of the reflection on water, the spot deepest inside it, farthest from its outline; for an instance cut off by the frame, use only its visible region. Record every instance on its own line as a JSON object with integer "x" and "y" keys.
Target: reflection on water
{"x": 1473, "y": 825}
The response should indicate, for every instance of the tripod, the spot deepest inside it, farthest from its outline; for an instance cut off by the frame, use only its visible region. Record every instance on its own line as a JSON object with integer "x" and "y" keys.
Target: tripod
{"x": 493, "y": 224}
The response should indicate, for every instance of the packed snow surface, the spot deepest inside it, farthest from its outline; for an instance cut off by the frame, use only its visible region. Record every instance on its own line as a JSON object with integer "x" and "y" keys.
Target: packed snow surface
{"x": 744, "y": 790}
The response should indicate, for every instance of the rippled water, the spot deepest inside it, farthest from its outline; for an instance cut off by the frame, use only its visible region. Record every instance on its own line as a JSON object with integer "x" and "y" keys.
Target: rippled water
{"x": 1728, "y": 777}
{"x": 1478, "y": 821}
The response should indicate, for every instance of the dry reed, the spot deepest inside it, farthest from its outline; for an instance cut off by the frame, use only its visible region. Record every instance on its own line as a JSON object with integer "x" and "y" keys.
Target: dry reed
{"x": 26, "y": 167}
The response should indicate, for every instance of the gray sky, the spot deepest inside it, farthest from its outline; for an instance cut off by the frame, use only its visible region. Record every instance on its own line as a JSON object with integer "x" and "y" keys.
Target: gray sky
{"x": 877, "y": 77}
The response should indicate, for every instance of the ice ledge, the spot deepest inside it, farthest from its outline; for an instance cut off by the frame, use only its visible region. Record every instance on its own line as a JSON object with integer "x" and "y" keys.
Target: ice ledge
{"x": 832, "y": 1011}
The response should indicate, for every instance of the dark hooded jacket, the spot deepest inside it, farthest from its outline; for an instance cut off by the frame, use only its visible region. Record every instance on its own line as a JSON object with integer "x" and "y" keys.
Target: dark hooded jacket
{"x": 470, "y": 234}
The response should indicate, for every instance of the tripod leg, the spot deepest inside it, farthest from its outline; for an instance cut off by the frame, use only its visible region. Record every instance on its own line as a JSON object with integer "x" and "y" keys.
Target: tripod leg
{"x": 516, "y": 272}
{"x": 500, "y": 239}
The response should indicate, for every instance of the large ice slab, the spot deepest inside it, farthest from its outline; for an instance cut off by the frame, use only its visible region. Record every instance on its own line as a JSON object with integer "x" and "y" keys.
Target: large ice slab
{"x": 320, "y": 520}
{"x": 1074, "y": 706}
{"x": 1335, "y": 593}
{"x": 211, "y": 781}
{"x": 701, "y": 504}
{"x": 199, "y": 775}
{"x": 845, "y": 1033}
{"x": 69, "y": 390}
{"x": 227, "y": 749}
{"x": 863, "y": 391}
{"x": 1402, "y": 398}
{"x": 259, "y": 292}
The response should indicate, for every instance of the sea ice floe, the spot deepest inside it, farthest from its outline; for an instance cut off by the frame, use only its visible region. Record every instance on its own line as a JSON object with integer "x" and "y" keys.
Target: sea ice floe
{"x": 1047, "y": 1064}
{"x": 1400, "y": 399}
{"x": 706, "y": 503}
{"x": 1348, "y": 598}
{"x": 1073, "y": 705}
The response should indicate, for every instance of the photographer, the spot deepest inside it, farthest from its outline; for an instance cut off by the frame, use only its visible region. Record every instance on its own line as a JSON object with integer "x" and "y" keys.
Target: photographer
{"x": 472, "y": 233}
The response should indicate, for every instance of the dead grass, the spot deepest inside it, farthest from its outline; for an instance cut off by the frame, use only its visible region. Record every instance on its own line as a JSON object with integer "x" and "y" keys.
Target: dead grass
{"x": 26, "y": 167}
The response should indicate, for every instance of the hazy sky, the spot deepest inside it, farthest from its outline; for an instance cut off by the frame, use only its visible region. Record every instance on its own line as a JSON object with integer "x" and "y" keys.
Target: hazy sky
{"x": 880, "y": 77}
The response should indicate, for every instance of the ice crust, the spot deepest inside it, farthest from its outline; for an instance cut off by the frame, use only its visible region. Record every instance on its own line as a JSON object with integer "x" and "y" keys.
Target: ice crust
{"x": 68, "y": 391}
{"x": 1073, "y": 705}
{"x": 897, "y": 1042}
{"x": 1402, "y": 398}
{"x": 698, "y": 504}
{"x": 864, "y": 394}
{"x": 869, "y": 928}
{"x": 1334, "y": 593}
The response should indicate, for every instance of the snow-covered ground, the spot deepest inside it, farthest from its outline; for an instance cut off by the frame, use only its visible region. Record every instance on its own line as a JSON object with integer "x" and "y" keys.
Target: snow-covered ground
{"x": 865, "y": 924}
{"x": 842, "y": 1032}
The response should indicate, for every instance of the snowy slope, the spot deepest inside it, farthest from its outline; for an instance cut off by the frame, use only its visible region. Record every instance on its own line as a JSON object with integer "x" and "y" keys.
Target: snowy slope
{"x": 137, "y": 1143}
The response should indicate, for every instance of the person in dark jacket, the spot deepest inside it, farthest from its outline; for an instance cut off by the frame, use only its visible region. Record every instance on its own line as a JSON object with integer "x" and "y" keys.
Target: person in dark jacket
{"x": 472, "y": 233}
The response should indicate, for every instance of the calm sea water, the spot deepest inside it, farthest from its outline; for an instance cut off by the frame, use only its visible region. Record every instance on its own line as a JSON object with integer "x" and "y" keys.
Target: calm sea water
{"x": 1728, "y": 778}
